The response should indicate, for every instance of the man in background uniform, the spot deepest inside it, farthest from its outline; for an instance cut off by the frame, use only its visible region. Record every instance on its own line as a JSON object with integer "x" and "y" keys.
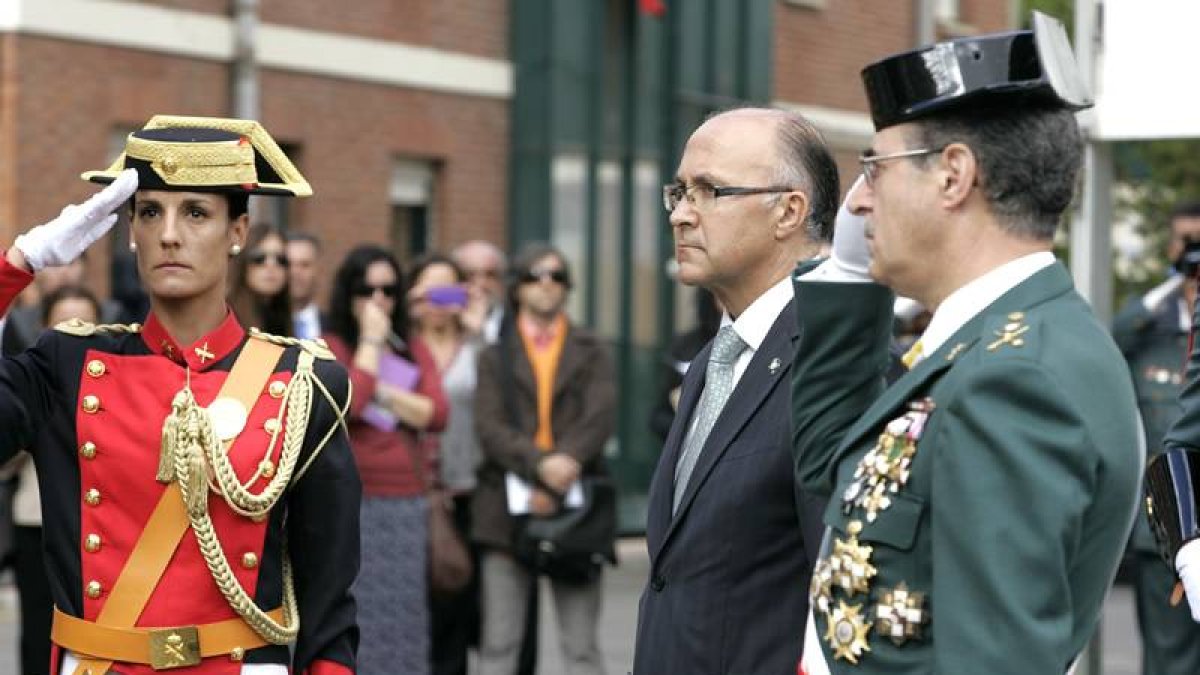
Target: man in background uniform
{"x": 1152, "y": 333}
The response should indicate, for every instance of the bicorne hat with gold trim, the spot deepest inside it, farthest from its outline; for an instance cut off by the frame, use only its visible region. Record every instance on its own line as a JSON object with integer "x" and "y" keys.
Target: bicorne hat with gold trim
{"x": 206, "y": 154}
{"x": 1035, "y": 67}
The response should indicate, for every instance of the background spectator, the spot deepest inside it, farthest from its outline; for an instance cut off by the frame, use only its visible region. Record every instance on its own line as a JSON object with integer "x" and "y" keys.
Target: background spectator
{"x": 304, "y": 275}
{"x": 447, "y": 318}
{"x": 394, "y": 402}
{"x": 258, "y": 290}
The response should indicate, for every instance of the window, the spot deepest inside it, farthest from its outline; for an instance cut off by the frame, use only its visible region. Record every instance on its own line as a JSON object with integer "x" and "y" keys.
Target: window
{"x": 412, "y": 201}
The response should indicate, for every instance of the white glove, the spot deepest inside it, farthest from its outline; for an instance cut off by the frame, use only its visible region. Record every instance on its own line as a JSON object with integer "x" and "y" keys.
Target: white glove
{"x": 63, "y": 239}
{"x": 850, "y": 254}
{"x": 1187, "y": 563}
{"x": 1155, "y": 297}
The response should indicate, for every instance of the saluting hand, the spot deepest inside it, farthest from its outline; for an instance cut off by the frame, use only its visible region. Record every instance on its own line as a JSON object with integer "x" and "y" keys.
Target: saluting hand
{"x": 850, "y": 252}
{"x": 63, "y": 239}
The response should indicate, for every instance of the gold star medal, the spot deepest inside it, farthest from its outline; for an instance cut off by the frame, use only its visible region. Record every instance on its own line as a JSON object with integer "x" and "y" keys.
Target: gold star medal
{"x": 847, "y": 632}
{"x": 850, "y": 565}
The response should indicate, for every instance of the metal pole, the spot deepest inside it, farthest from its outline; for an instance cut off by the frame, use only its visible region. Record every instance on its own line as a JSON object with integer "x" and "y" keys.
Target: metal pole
{"x": 245, "y": 90}
{"x": 245, "y": 67}
{"x": 923, "y": 23}
{"x": 1091, "y": 232}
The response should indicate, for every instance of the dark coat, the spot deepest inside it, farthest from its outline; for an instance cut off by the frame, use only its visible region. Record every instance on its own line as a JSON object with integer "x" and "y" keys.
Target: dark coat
{"x": 583, "y": 417}
{"x": 728, "y": 588}
{"x": 1005, "y": 528}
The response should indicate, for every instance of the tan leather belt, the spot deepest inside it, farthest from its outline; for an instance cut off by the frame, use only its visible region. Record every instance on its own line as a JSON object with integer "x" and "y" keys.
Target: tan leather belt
{"x": 159, "y": 648}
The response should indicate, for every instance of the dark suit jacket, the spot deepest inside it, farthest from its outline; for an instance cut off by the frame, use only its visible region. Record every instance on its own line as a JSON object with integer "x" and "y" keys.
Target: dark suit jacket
{"x": 582, "y": 418}
{"x": 729, "y": 572}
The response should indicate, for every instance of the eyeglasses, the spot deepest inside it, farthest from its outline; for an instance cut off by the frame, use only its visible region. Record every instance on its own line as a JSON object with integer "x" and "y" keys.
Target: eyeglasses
{"x": 702, "y": 196}
{"x": 261, "y": 258}
{"x": 557, "y": 276}
{"x": 365, "y": 290}
{"x": 870, "y": 163}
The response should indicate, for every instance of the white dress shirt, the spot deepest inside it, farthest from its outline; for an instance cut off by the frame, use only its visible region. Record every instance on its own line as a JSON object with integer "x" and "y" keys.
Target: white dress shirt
{"x": 756, "y": 321}
{"x": 308, "y": 322}
{"x": 972, "y": 298}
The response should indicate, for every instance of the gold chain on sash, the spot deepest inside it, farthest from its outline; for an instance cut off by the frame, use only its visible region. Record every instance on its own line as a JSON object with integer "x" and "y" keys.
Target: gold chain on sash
{"x": 192, "y": 445}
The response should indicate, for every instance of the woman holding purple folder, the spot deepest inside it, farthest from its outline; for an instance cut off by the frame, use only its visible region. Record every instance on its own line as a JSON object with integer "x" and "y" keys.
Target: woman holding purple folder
{"x": 397, "y": 396}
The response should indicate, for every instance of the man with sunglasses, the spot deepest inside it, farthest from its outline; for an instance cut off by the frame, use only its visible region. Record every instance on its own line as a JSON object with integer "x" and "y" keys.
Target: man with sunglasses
{"x": 731, "y": 541}
{"x": 545, "y": 406}
{"x": 979, "y": 505}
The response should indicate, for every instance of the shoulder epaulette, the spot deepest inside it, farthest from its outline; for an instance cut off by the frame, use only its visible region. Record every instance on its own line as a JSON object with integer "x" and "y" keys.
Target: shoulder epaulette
{"x": 81, "y": 328}
{"x": 1008, "y": 335}
{"x": 316, "y": 347}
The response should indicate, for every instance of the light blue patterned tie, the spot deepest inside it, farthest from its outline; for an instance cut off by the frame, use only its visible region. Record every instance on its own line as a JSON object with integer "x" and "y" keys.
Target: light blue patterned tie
{"x": 718, "y": 385}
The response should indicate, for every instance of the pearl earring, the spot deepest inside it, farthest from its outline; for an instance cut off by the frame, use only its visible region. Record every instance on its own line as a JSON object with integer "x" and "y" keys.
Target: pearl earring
{"x": 132, "y": 247}
{"x": 235, "y": 249}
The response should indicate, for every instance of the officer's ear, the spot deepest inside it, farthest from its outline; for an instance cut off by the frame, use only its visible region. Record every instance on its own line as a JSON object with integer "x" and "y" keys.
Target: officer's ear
{"x": 238, "y": 229}
{"x": 958, "y": 173}
{"x": 792, "y": 209}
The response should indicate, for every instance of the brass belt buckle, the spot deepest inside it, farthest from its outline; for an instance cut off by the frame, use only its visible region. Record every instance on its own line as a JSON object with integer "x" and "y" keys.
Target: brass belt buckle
{"x": 174, "y": 647}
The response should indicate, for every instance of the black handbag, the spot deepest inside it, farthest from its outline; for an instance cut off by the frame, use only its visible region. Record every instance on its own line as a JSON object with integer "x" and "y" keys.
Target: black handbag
{"x": 573, "y": 544}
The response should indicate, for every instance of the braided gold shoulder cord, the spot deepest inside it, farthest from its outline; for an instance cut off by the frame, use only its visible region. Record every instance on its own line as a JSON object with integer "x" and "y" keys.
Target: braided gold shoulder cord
{"x": 189, "y": 433}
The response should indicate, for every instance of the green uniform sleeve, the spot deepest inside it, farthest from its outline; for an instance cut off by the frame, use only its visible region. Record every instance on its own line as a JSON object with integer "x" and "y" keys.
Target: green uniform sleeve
{"x": 838, "y": 371}
{"x": 1186, "y": 430}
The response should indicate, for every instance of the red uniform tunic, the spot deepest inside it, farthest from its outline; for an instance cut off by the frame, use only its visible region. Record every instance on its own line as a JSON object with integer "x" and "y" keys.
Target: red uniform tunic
{"x": 92, "y": 408}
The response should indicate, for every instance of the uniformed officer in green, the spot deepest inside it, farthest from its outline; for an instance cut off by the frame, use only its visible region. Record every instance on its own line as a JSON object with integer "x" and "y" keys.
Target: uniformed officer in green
{"x": 978, "y": 506}
{"x": 1152, "y": 333}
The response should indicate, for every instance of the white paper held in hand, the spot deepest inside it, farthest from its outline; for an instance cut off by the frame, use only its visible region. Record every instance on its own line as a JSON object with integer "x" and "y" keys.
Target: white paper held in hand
{"x": 520, "y": 491}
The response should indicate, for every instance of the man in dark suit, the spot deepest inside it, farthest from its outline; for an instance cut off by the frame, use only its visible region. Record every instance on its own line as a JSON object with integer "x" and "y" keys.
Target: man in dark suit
{"x": 731, "y": 541}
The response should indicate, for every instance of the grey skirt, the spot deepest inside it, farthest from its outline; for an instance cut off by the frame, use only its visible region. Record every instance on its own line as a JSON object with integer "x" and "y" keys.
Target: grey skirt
{"x": 391, "y": 589}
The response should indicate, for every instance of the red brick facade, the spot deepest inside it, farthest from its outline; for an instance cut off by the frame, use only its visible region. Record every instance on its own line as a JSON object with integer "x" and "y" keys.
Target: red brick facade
{"x": 61, "y": 102}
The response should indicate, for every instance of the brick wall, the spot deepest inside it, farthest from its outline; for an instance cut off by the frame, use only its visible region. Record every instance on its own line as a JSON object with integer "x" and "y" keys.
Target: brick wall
{"x": 350, "y": 132}
{"x": 478, "y": 27}
{"x": 70, "y": 97}
{"x": 819, "y": 52}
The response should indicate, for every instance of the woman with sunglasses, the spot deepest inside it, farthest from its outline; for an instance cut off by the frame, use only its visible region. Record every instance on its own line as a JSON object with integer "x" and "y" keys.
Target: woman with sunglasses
{"x": 199, "y": 500}
{"x": 258, "y": 291}
{"x": 397, "y": 398}
{"x": 448, "y": 317}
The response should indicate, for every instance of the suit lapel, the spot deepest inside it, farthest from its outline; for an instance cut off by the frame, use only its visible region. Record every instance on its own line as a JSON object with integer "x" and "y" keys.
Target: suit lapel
{"x": 658, "y": 510}
{"x": 759, "y": 380}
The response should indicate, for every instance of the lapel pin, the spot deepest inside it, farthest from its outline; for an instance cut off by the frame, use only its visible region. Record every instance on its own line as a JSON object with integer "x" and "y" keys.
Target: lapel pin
{"x": 775, "y": 365}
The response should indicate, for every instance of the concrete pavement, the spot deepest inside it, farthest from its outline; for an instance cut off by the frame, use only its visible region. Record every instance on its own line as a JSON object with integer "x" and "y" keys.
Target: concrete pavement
{"x": 623, "y": 586}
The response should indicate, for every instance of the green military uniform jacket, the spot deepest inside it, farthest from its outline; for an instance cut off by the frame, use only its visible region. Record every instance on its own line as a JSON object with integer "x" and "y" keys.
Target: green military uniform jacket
{"x": 992, "y": 546}
{"x": 1155, "y": 347}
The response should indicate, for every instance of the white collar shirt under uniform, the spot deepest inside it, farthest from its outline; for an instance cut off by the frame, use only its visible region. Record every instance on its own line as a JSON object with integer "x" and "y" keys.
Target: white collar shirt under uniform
{"x": 972, "y": 298}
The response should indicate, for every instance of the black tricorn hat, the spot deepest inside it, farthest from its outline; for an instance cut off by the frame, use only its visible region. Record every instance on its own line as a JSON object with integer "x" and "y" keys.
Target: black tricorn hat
{"x": 206, "y": 154}
{"x": 1030, "y": 66}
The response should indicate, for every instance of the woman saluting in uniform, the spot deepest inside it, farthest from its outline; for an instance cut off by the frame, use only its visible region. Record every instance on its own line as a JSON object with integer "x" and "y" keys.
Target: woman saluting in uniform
{"x": 200, "y": 499}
